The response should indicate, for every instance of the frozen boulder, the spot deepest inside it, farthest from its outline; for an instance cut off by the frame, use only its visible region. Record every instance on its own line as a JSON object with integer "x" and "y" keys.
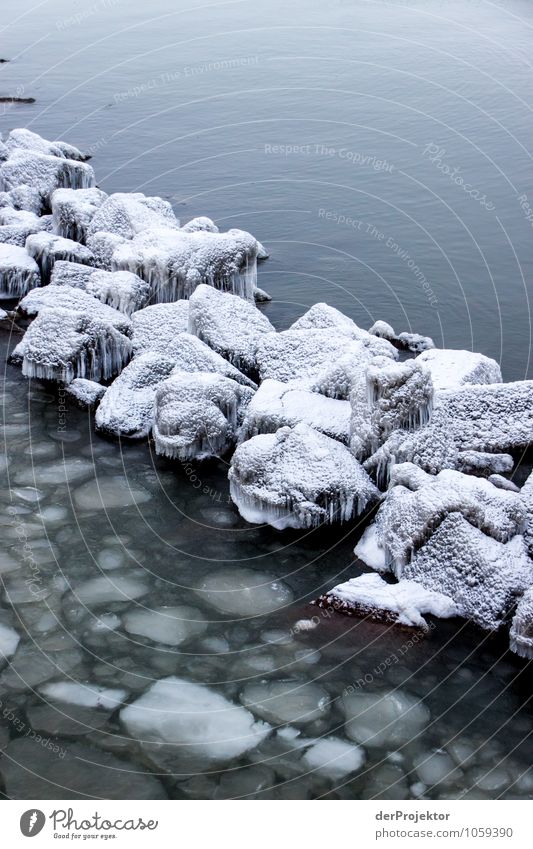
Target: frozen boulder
{"x": 197, "y": 415}
{"x": 159, "y": 327}
{"x": 54, "y": 297}
{"x": 277, "y": 404}
{"x": 47, "y": 249}
{"x": 228, "y": 324}
{"x": 483, "y": 576}
{"x": 403, "y": 341}
{"x": 370, "y": 597}
{"x": 193, "y": 723}
{"x": 260, "y": 296}
{"x": 299, "y": 478}
{"x": 384, "y": 719}
{"x": 521, "y": 636}
{"x": 129, "y": 214}
{"x": 18, "y": 272}
{"x": 287, "y": 701}
{"x": 86, "y": 393}
{"x": 121, "y": 290}
{"x": 17, "y": 224}
{"x": 73, "y": 211}
{"x": 62, "y": 344}
{"x": 44, "y": 173}
{"x": 103, "y": 245}
{"x": 128, "y": 406}
{"x": 202, "y": 223}
{"x": 24, "y": 139}
{"x": 22, "y": 197}
{"x": 451, "y": 369}
{"x": 489, "y": 419}
{"x": 526, "y": 493}
{"x": 175, "y": 262}
{"x": 244, "y": 592}
{"x": 323, "y": 317}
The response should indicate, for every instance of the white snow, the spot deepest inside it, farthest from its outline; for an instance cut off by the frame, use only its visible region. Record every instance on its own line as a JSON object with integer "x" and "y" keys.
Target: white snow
{"x": 128, "y": 214}
{"x": 404, "y": 341}
{"x": 121, "y": 290}
{"x": 27, "y": 140}
{"x": 44, "y": 173}
{"x": 83, "y": 695}
{"x": 450, "y": 369}
{"x": 159, "y": 327}
{"x": 323, "y": 317}
{"x": 67, "y": 298}
{"x": 370, "y": 549}
{"x": 85, "y": 392}
{"x": 73, "y": 211}
{"x": 18, "y": 271}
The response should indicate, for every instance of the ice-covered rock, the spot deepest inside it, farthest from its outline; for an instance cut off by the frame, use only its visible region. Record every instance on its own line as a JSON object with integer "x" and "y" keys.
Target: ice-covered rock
{"x": 62, "y": 344}
{"x": 450, "y": 368}
{"x": 175, "y": 262}
{"x": 121, "y": 290}
{"x": 521, "y": 635}
{"x": 526, "y": 493}
{"x": 323, "y": 317}
{"x": 197, "y": 415}
{"x": 17, "y": 224}
{"x": 369, "y": 596}
{"x": 483, "y": 576}
{"x": 260, "y": 296}
{"x": 168, "y": 625}
{"x": 277, "y": 404}
{"x": 129, "y": 214}
{"x": 298, "y": 478}
{"x": 55, "y": 297}
{"x": 403, "y": 341}
{"x": 201, "y": 223}
{"x": 334, "y": 758}
{"x": 283, "y": 702}
{"x": 44, "y": 173}
{"x": 230, "y": 325}
{"x": 27, "y": 140}
{"x": 503, "y": 483}
{"x": 103, "y": 245}
{"x": 194, "y": 723}
{"x": 156, "y": 328}
{"x": 18, "y": 271}
{"x": 244, "y": 592}
{"x": 391, "y": 718}
{"x": 47, "y": 249}
{"x": 485, "y": 420}
{"x": 73, "y": 211}
{"x": 9, "y": 640}
{"x": 128, "y": 406}
{"x": 22, "y": 197}
{"x": 83, "y": 695}
{"x": 85, "y": 392}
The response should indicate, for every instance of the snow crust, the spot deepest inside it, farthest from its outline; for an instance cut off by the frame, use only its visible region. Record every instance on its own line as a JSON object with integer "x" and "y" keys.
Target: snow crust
{"x": 450, "y": 369}
{"x": 159, "y": 327}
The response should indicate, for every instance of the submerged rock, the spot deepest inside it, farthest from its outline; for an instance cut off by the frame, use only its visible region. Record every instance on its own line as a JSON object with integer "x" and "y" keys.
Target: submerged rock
{"x": 298, "y": 478}
{"x": 108, "y": 588}
{"x": 83, "y": 695}
{"x": 9, "y": 640}
{"x": 110, "y": 493}
{"x": 18, "y": 272}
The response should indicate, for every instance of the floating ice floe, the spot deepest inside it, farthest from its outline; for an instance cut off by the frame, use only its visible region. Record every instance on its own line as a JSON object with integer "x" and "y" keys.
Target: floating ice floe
{"x": 521, "y": 635}
{"x": 159, "y": 327}
{"x": 83, "y": 695}
{"x": 450, "y": 369}
{"x": 44, "y": 173}
{"x": 404, "y": 341}
{"x": 9, "y": 640}
{"x": 121, "y": 290}
{"x": 244, "y": 592}
{"x": 106, "y": 589}
{"x": 333, "y": 757}
{"x": 175, "y": 262}
{"x": 197, "y": 415}
{"x": 17, "y": 224}
{"x": 192, "y": 722}
{"x": 468, "y": 424}
{"x": 129, "y": 214}
{"x": 278, "y": 404}
{"x": 86, "y": 393}
{"x": 289, "y": 701}
{"x": 298, "y": 478}
{"x": 47, "y": 249}
{"x": 54, "y": 297}
{"x": 18, "y": 272}
{"x": 73, "y": 211}
{"x": 171, "y": 626}
{"x": 230, "y": 325}
{"x": 110, "y": 493}
{"x": 369, "y": 596}
{"x": 27, "y": 140}
{"x": 389, "y": 719}
{"x": 62, "y": 344}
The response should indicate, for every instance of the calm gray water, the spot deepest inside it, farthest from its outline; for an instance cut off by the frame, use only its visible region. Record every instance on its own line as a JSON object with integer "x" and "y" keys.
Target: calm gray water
{"x": 380, "y": 151}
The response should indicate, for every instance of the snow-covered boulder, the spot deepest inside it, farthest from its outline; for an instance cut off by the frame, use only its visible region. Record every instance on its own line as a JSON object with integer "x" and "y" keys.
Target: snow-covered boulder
{"x": 323, "y": 317}
{"x": 450, "y": 368}
{"x": 230, "y": 325}
{"x": 175, "y": 262}
{"x": 521, "y": 635}
{"x": 159, "y": 327}
{"x": 193, "y": 723}
{"x": 65, "y": 297}
{"x": 201, "y": 223}
{"x": 73, "y": 211}
{"x": 278, "y": 404}
{"x": 44, "y": 173}
{"x": 403, "y": 603}
{"x": 62, "y": 344}
{"x": 86, "y": 393}
{"x": 489, "y": 420}
{"x": 128, "y": 214}
{"x": 47, "y": 248}
{"x": 18, "y": 272}
{"x": 121, "y": 290}
{"x": 299, "y": 478}
{"x": 17, "y": 224}
{"x": 127, "y": 408}
{"x": 197, "y": 415}
{"x": 403, "y": 341}
{"x": 526, "y": 493}
{"x": 22, "y": 197}
{"x": 27, "y": 140}
{"x": 103, "y": 245}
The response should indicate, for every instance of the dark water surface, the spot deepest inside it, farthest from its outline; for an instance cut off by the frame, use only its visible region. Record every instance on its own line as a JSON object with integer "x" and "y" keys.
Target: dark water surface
{"x": 339, "y": 134}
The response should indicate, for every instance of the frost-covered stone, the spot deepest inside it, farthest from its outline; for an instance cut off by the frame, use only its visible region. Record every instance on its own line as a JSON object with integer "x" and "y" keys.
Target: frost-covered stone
{"x": 18, "y": 272}
{"x": 54, "y": 297}
{"x": 277, "y": 404}
{"x": 62, "y": 344}
{"x": 404, "y": 341}
{"x": 334, "y": 758}
{"x": 369, "y": 596}
{"x": 201, "y": 223}
{"x": 298, "y": 478}
{"x": 85, "y": 392}
{"x": 83, "y": 695}
{"x": 121, "y": 290}
{"x": 197, "y": 415}
{"x": 244, "y": 592}
{"x": 228, "y": 324}
{"x": 47, "y": 249}
{"x": 129, "y": 214}
{"x": 484, "y": 577}
{"x": 17, "y": 224}
{"x": 281, "y": 702}
{"x": 323, "y": 317}
{"x": 526, "y": 493}
{"x": 385, "y": 718}
{"x": 260, "y": 296}
{"x": 73, "y": 211}
{"x": 490, "y": 419}
{"x": 44, "y": 173}
{"x": 175, "y": 262}
{"x": 103, "y": 245}
{"x": 156, "y": 327}
{"x": 521, "y": 636}
{"x": 193, "y": 722}
{"x": 168, "y": 625}
{"x": 450, "y": 369}
{"x": 27, "y": 140}
{"x": 22, "y": 197}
